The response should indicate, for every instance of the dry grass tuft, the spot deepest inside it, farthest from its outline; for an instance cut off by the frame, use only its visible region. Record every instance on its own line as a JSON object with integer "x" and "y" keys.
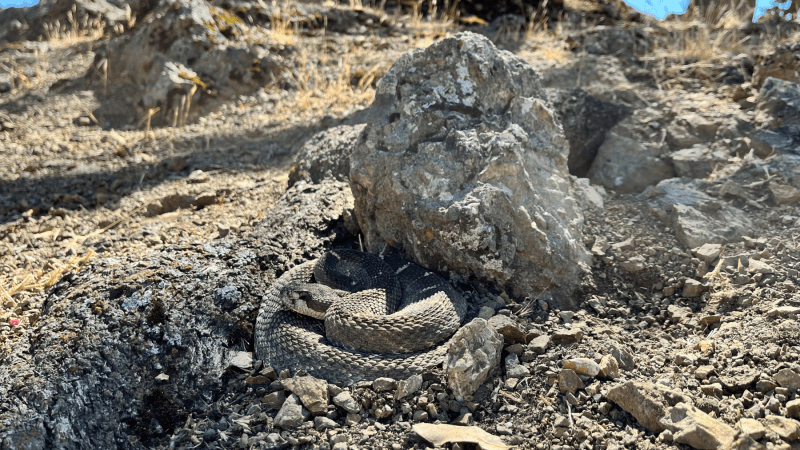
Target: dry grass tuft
{"x": 75, "y": 30}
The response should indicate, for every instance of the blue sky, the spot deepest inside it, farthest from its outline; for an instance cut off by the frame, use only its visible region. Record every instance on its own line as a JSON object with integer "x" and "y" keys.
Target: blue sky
{"x": 656, "y": 8}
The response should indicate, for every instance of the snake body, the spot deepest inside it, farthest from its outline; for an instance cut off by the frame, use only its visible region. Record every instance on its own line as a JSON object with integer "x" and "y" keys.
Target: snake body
{"x": 396, "y": 320}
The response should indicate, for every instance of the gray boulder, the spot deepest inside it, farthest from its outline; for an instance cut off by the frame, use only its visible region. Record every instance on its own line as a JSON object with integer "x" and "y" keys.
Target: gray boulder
{"x": 463, "y": 166}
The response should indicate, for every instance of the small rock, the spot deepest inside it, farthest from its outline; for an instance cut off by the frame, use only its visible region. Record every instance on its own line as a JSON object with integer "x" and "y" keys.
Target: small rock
{"x": 693, "y": 427}
{"x": 765, "y": 385}
{"x": 205, "y": 198}
{"x": 312, "y": 392}
{"x": 568, "y": 381}
{"x": 692, "y": 288}
{"x": 209, "y": 435}
{"x": 539, "y": 344}
{"x": 475, "y": 350}
{"x": 609, "y": 368}
{"x": 566, "y": 336}
{"x": 714, "y": 389}
{"x": 408, "y": 386}
{"x": 274, "y": 399}
{"x": 197, "y": 176}
{"x": 707, "y": 252}
{"x": 784, "y": 194}
{"x": 162, "y": 377}
{"x": 788, "y": 378}
{"x": 384, "y": 384}
{"x": 322, "y": 423}
{"x": 752, "y": 428}
{"x": 241, "y": 360}
{"x": 420, "y": 416}
{"x": 623, "y": 356}
{"x": 647, "y": 402}
{"x": 793, "y": 409}
{"x": 346, "y": 401}
{"x": 703, "y": 372}
{"x": 633, "y": 264}
{"x": 486, "y": 313}
{"x": 291, "y": 414}
{"x": 513, "y": 367}
{"x": 508, "y": 328}
{"x": 582, "y": 366}
{"x": 684, "y": 360}
{"x": 502, "y": 430}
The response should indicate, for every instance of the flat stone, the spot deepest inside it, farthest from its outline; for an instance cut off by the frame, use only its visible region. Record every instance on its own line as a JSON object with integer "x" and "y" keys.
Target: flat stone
{"x": 786, "y": 429}
{"x": 693, "y": 427}
{"x": 788, "y": 378}
{"x": 408, "y": 386}
{"x": 707, "y": 252}
{"x": 568, "y": 381}
{"x": 539, "y": 344}
{"x": 384, "y": 384}
{"x": 565, "y": 336}
{"x": 752, "y": 428}
{"x": 312, "y": 392}
{"x": 582, "y": 366}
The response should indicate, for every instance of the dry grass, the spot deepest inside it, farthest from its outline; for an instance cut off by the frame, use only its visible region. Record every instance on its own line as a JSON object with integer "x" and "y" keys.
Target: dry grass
{"x": 75, "y": 30}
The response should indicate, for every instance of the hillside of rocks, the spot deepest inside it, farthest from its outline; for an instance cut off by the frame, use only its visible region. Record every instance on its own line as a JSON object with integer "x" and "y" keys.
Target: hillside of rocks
{"x": 617, "y": 198}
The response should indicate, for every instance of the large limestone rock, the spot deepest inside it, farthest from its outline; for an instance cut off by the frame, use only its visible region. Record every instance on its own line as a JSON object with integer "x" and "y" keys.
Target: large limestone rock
{"x": 473, "y": 353}
{"x": 463, "y": 166}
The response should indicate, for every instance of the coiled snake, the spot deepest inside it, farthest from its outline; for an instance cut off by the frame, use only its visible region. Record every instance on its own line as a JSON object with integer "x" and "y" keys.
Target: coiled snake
{"x": 391, "y": 318}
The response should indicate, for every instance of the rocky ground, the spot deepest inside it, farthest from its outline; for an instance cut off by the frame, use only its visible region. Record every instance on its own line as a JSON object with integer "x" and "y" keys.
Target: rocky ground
{"x": 142, "y": 213}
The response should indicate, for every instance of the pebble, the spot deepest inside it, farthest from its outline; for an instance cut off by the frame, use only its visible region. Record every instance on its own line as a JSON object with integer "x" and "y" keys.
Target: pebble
{"x": 582, "y": 366}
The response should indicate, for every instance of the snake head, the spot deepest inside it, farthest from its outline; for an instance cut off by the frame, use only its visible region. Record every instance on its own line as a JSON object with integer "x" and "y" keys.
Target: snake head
{"x": 306, "y": 299}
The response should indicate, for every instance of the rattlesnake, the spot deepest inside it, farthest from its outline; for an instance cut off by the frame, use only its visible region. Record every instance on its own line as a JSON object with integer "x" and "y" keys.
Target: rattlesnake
{"x": 396, "y": 345}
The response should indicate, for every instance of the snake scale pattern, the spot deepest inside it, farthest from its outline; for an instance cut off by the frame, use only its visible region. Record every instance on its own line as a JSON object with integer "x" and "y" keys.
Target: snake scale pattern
{"x": 407, "y": 334}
